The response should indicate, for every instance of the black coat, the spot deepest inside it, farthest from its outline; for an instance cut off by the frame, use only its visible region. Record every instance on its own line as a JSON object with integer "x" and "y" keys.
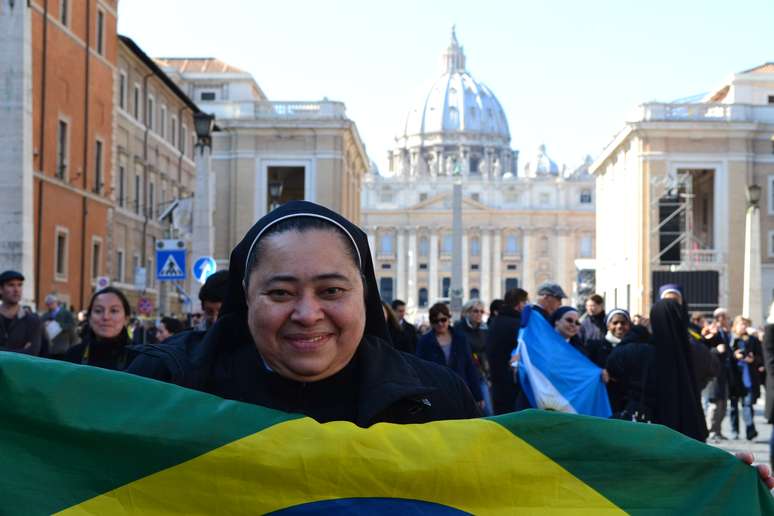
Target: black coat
{"x": 768, "y": 361}
{"x": 632, "y": 377}
{"x": 500, "y": 342}
{"x": 598, "y": 350}
{"x": 379, "y": 384}
{"x": 718, "y": 387}
{"x": 113, "y": 354}
{"x": 460, "y": 358}
{"x": 404, "y": 337}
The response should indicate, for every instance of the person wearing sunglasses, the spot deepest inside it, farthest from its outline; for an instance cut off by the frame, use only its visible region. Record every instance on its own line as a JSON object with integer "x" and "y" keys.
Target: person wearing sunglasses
{"x": 566, "y": 321}
{"x": 446, "y": 346}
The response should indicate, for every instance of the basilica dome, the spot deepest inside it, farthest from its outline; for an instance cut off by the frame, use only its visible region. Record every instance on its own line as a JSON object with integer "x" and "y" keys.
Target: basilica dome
{"x": 541, "y": 165}
{"x": 456, "y": 102}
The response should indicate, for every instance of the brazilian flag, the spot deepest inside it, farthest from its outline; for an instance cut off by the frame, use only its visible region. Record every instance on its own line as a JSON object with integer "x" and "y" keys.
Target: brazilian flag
{"x": 77, "y": 440}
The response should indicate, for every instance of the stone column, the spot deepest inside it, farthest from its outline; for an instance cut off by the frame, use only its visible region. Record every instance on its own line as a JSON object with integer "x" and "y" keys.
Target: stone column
{"x": 411, "y": 295}
{"x": 432, "y": 296}
{"x": 486, "y": 266}
{"x": 16, "y": 146}
{"x": 527, "y": 266}
{"x": 400, "y": 265}
{"x": 497, "y": 263}
{"x": 561, "y": 260}
{"x": 752, "y": 306}
{"x": 372, "y": 243}
{"x": 203, "y": 242}
{"x": 465, "y": 268}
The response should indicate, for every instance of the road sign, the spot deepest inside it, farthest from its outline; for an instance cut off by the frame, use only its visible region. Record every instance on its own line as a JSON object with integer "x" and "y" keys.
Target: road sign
{"x": 170, "y": 260}
{"x": 203, "y": 268}
{"x": 103, "y": 282}
{"x": 145, "y": 306}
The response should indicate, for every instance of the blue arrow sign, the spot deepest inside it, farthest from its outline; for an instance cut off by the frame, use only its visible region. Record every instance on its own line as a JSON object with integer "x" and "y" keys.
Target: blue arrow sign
{"x": 170, "y": 260}
{"x": 203, "y": 268}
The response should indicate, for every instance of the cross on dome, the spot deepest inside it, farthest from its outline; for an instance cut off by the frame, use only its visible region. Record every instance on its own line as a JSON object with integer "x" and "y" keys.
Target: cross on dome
{"x": 454, "y": 57}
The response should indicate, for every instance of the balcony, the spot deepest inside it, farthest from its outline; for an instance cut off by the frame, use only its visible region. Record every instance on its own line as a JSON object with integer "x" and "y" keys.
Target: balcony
{"x": 703, "y": 112}
{"x": 267, "y": 110}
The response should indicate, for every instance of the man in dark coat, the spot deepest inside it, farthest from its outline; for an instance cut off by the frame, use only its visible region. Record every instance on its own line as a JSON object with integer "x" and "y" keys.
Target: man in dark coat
{"x": 59, "y": 324}
{"x": 717, "y": 391}
{"x": 20, "y": 331}
{"x": 408, "y": 332}
{"x": 286, "y": 362}
{"x": 501, "y": 340}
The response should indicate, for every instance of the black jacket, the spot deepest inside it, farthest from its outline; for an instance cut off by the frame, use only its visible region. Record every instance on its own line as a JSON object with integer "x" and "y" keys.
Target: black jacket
{"x": 113, "y": 354}
{"x": 380, "y": 384}
{"x": 718, "y": 387}
{"x": 22, "y": 334}
{"x": 500, "y": 342}
{"x": 632, "y": 377}
{"x": 404, "y": 337}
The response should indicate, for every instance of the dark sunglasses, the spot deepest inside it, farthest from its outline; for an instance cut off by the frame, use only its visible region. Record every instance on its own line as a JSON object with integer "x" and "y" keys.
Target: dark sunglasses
{"x": 576, "y": 321}
{"x": 440, "y": 320}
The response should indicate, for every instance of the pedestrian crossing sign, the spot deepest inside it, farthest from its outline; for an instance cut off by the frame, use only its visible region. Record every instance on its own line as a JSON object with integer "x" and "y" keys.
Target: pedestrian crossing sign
{"x": 170, "y": 260}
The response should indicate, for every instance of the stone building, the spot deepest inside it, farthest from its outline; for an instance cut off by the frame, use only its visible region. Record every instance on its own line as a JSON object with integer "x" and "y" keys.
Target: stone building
{"x": 522, "y": 226}
{"x": 57, "y": 60}
{"x": 270, "y": 152}
{"x": 154, "y": 166}
{"x": 671, "y": 196}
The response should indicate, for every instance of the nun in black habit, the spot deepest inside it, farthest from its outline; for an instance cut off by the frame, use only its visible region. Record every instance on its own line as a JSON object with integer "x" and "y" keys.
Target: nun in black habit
{"x": 302, "y": 330}
{"x": 678, "y": 403}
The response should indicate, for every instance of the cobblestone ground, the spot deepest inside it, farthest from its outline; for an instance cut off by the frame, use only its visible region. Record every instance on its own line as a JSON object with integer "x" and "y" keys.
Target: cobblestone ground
{"x": 759, "y": 447}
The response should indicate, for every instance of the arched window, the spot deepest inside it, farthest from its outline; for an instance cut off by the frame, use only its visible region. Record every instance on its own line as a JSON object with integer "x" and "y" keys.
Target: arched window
{"x": 387, "y": 244}
{"x": 475, "y": 246}
{"x": 422, "y": 297}
{"x": 385, "y": 289}
{"x": 511, "y": 245}
{"x": 424, "y": 246}
{"x": 447, "y": 244}
{"x": 474, "y": 293}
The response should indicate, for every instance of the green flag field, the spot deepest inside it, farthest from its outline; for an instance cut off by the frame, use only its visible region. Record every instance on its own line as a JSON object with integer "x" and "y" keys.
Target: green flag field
{"x": 78, "y": 440}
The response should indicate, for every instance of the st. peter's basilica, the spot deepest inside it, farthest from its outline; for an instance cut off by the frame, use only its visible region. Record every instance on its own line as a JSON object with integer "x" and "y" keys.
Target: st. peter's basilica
{"x": 522, "y": 224}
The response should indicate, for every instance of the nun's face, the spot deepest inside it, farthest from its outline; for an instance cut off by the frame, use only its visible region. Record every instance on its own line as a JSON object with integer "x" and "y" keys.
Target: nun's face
{"x": 618, "y": 326}
{"x": 305, "y": 304}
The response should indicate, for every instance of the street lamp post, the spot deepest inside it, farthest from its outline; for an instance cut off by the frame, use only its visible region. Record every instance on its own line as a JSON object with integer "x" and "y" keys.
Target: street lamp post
{"x": 204, "y": 196}
{"x": 752, "y": 307}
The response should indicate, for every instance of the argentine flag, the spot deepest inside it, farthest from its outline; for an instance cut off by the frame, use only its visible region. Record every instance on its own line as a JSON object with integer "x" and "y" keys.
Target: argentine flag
{"x": 554, "y": 375}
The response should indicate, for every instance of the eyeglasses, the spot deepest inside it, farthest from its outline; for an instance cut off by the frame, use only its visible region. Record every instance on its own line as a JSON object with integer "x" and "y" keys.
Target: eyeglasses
{"x": 440, "y": 320}
{"x": 477, "y": 311}
{"x": 571, "y": 321}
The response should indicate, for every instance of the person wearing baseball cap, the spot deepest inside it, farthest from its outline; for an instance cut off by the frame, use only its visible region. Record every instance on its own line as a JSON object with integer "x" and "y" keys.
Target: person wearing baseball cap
{"x": 549, "y": 299}
{"x": 20, "y": 330}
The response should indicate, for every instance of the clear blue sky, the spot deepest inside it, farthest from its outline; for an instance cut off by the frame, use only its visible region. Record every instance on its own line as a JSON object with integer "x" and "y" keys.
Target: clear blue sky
{"x": 566, "y": 72}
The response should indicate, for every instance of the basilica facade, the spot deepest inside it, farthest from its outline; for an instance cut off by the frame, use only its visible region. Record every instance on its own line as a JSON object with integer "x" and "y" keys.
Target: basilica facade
{"x": 522, "y": 224}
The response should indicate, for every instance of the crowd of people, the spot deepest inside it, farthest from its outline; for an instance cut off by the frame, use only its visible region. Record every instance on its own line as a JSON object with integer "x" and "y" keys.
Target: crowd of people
{"x": 299, "y": 330}
{"x": 105, "y": 334}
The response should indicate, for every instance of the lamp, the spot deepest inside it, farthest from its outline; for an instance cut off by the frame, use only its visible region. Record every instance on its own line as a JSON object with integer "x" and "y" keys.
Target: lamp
{"x": 753, "y": 195}
{"x": 203, "y": 124}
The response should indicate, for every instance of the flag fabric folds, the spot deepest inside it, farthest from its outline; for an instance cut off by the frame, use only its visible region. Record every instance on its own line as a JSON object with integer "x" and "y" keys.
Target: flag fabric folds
{"x": 77, "y": 440}
{"x": 554, "y": 375}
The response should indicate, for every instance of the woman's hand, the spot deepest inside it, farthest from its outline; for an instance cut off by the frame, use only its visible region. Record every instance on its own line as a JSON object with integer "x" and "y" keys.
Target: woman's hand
{"x": 763, "y": 470}
{"x": 605, "y": 376}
